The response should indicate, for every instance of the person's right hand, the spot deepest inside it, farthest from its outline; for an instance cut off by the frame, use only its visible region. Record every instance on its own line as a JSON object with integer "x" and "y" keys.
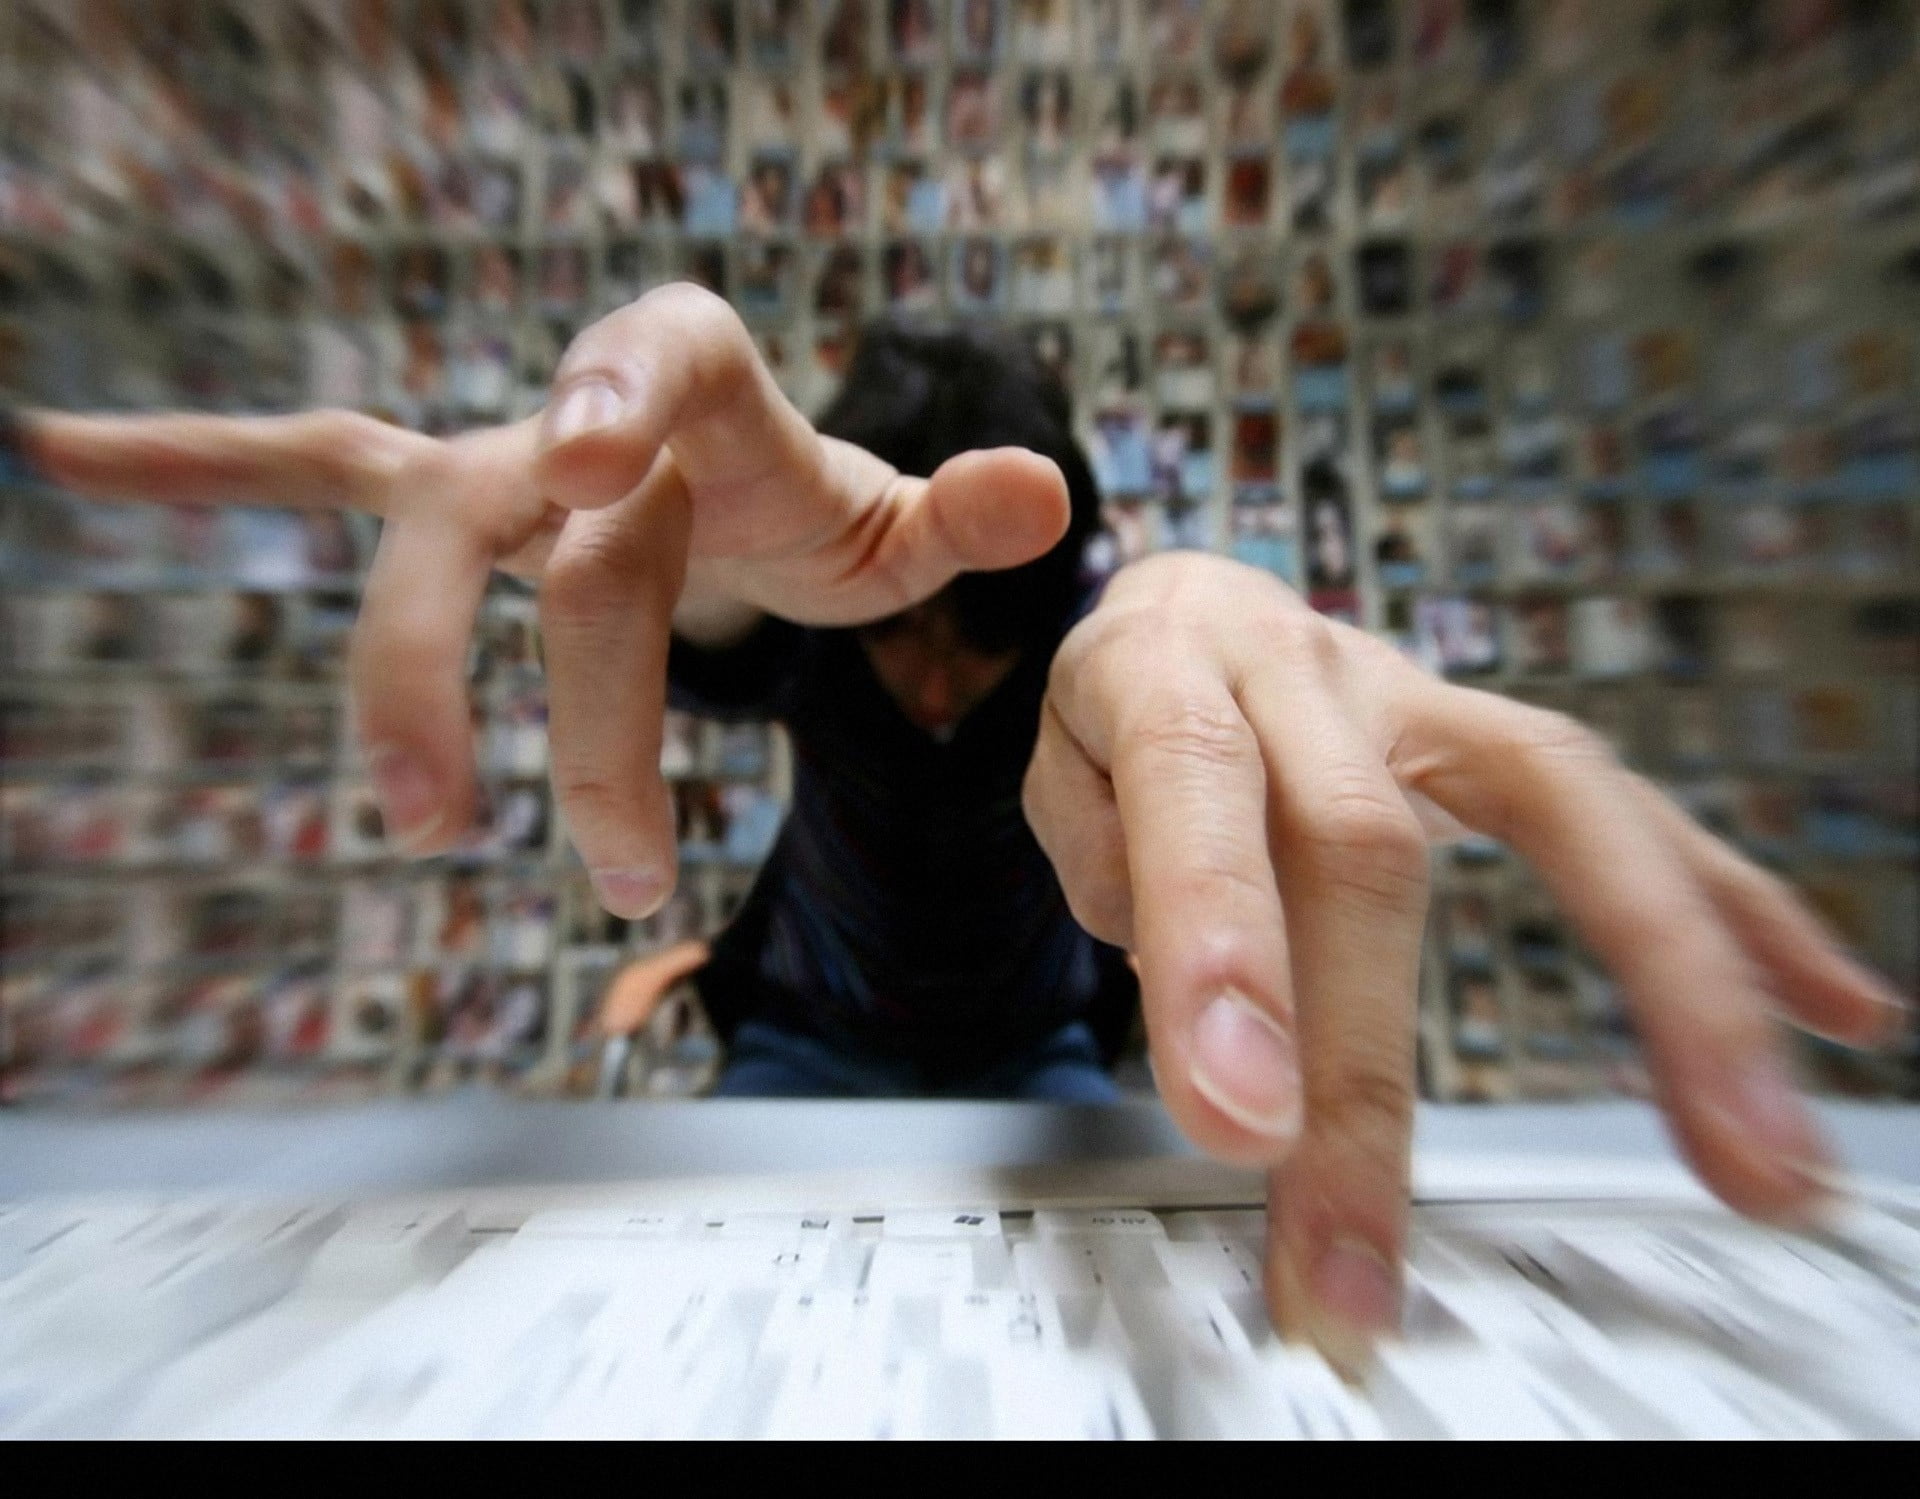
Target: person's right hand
{"x": 666, "y": 472}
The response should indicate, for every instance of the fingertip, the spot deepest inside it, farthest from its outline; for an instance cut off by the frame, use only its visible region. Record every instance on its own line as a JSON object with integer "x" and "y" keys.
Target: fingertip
{"x": 1896, "y": 1021}
{"x": 1042, "y": 488}
{"x": 1341, "y": 1305}
{"x": 424, "y": 810}
{"x": 633, "y": 892}
{"x": 1003, "y": 506}
{"x": 1825, "y": 990}
{"x": 1353, "y": 1302}
{"x": 628, "y": 843}
{"x": 595, "y": 445}
{"x": 1755, "y": 1141}
{"x": 1880, "y": 1017}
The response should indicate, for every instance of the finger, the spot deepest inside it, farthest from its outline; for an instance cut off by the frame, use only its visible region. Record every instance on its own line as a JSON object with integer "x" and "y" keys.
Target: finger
{"x": 677, "y": 371}
{"x": 606, "y": 613}
{"x": 313, "y": 459}
{"x": 1071, "y": 809}
{"x": 1553, "y": 791}
{"x": 1816, "y": 983}
{"x": 1352, "y": 857}
{"x": 676, "y": 364}
{"x": 407, "y": 676}
{"x": 991, "y": 509}
{"x": 1207, "y": 926}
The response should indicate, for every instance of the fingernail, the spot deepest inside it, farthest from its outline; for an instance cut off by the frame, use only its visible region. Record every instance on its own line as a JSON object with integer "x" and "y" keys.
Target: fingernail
{"x": 588, "y": 406}
{"x": 1245, "y": 1066}
{"x": 631, "y": 893}
{"x": 1356, "y": 1301}
{"x": 1896, "y": 1021}
{"x": 409, "y": 798}
{"x": 1765, "y": 1110}
{"x": 1769, "y": 1109}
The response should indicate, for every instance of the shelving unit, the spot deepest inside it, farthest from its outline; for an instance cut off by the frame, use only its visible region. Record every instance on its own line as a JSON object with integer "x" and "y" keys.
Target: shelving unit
{"x": 1571, "y": 347}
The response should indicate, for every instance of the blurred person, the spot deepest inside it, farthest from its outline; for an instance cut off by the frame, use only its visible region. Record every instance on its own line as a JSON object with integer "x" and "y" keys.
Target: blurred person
{"x": 911, "y": 286}
{"x": 979, "y": 271}
{"x": 978, "y": 27}
{"x": 1330, "y": 544}
{"x": 913, "y": 28}
{"x": 764, "y": 200}
{"x": 1006, "y": 775}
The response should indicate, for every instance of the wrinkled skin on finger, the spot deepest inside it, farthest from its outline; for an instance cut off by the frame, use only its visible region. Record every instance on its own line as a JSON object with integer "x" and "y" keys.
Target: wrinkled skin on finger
{"x": 1242, "y": 793}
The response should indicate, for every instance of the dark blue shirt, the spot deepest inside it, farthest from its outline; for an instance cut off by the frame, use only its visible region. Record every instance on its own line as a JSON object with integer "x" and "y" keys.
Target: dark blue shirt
{"x": 906, "y": 910}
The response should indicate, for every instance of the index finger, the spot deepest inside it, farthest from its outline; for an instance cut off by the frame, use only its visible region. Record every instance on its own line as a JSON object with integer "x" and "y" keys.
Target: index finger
{"x": 333, "y": 460}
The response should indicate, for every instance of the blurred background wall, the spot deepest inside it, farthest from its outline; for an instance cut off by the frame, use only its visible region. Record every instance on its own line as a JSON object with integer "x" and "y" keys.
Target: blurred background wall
{"x": 1570, "y": 345}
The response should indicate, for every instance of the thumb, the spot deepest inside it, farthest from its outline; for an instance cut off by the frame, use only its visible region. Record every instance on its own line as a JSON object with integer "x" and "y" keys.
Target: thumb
{"x": 995, "y": 508}
{"x": 981, "y": 511}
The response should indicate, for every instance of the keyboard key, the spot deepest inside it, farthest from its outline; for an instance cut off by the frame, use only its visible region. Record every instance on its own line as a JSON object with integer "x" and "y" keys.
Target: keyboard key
{"x": 1002, "y": 1324}
{"x": 900, "y": 1265}
{"x": 949, "y": 1223}
{"x": 376, "y": 1254}
{"x": 1059, "y": 1223}
{"x": 610, "y": 1222}
{"x": 1883, "y": 1243}
{"x": 183, "y": 1282}
{"x": 1040, "y": 1265}
{"x": 1478, "y": 1395}
{"x": 815, "y": 1321}
{"x": 1244, "y": 1226}
{"x": 1209, "y": 1265}
{"x": 1320, "y": 1407}
{"x": 1667, "y": 1279}
{"x": 959, "y": 1406}
{"x": 813, "y": 1226}
{"x": 1635, "y": 1394}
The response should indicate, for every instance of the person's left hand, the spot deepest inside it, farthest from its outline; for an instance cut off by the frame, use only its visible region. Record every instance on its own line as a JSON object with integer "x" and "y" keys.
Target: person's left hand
{"x": 1227, "y": 785}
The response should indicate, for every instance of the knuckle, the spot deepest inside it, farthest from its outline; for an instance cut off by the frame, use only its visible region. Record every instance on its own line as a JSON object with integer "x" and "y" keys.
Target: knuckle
{"x": 1234, "y": 947}
{"x": 1184, "y": 587}
{"x": 596, "y": 800}
{"x": 1179, "y": 571}
{"x": 1179, "y": 727}
{"x": 1302, "y": 636}
{"x": 1083, "y": 647}
{"x": 1368, "y": 1103}
{"x": 1543, "y": 735}
{"x": 700, "y": 329}
{"x": 585, "y": 579}
{"x": 688, "y": 304}
{"x": 361, "y": 455}
{"x": 1365, "y": 838}
{"x": 709, "y": 332}
{"x": 1186, "y": 573}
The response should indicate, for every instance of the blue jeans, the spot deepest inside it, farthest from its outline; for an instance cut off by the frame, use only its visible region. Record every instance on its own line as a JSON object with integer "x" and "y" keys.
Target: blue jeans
{"x": 768, "y": 1062}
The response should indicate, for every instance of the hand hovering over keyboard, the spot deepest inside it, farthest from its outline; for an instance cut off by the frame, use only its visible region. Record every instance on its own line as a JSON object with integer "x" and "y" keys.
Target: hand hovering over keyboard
{"x": 667, "y": 482}
{"x": 1224, "y": 782}
{"x": 1242, "y": 792}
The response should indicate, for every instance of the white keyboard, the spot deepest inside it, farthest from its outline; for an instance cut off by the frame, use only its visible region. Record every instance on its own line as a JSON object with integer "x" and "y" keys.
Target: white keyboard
{"x": 625, "y": 1314}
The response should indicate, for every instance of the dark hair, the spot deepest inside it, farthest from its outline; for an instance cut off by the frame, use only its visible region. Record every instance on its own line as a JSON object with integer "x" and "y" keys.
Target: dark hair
{"x": 918, "y": 396}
